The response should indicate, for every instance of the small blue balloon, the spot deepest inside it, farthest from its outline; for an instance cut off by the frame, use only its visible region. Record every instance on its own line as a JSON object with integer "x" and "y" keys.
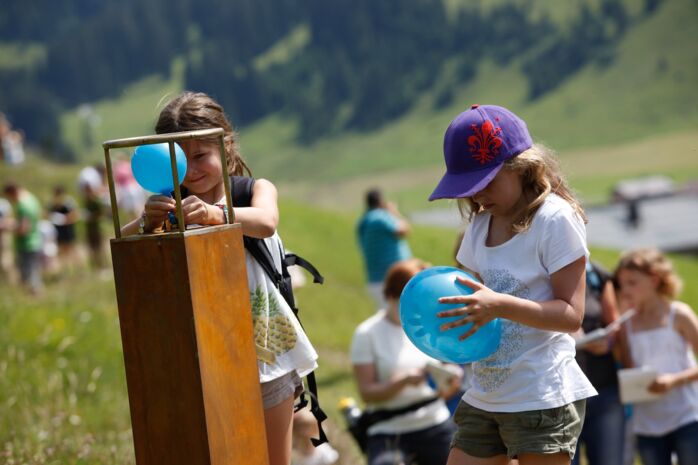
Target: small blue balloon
{"x": 152, "y": 168}
{"x": 419, "y": 306}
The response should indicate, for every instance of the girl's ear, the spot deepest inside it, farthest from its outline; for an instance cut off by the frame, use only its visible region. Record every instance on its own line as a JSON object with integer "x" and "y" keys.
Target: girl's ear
{"x": 656, "y": 281}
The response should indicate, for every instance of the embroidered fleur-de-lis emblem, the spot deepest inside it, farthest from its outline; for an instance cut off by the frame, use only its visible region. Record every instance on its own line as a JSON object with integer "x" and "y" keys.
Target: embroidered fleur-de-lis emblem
{"x": 484, "y": 145}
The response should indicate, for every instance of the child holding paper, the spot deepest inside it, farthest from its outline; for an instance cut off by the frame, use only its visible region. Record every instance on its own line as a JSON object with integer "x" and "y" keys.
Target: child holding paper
{"x": 663, "y": 336}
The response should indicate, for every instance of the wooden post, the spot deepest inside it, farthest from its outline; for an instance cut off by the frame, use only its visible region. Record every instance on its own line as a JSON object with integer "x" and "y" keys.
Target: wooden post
{"x": 191, "y": 365}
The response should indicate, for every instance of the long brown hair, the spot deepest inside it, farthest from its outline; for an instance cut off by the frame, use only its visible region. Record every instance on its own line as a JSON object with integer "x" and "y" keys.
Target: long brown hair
{"x": 190, "y": 111}
{"x": 652, "y": 262}
{"x": 540, "y": 175}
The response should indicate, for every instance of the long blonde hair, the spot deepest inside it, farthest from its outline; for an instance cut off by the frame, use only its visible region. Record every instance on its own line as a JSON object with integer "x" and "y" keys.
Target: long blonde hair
{"x": 541, "y": 175}
{"x": 190, "y": 111}
{"x": 652, "y": 262}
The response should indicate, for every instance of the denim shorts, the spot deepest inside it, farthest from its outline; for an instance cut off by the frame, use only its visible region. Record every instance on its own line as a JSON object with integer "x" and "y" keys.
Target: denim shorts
{"x": 549, "y": 431}
{"x": 278, "y": 390}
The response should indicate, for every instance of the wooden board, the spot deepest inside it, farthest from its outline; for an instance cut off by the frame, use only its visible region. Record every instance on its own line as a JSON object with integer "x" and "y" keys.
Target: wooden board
{"x": 188, "y": 349}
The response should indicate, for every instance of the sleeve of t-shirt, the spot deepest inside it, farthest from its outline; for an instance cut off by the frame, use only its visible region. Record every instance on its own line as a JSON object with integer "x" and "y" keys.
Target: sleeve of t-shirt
{"x": 465, "y": 253}
{"x": 360, "y": 351}
{"x": 564, "y": 240}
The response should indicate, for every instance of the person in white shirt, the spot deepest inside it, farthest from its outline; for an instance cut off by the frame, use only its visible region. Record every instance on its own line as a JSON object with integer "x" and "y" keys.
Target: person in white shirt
{"x": 390, "y": 374}
{"x": 663, "y": 336}
{"x": 527, "y": 245}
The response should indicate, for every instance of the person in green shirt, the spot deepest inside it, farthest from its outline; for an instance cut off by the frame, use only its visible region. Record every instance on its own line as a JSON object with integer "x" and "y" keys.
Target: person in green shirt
{"x": 27, "y": 237}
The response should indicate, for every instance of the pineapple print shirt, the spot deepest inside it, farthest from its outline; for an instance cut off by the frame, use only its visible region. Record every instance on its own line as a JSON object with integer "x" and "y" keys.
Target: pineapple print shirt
{"x": 282, "y": 345}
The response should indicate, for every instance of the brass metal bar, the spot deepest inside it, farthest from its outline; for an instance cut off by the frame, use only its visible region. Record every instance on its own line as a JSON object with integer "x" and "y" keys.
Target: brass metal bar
{"x": 159, "y": 138}
{"x": 169, "y": 138}
{"x": 177, "y": 192}
{"x": 226, "y": 182}
{"x": 112, "y": 194}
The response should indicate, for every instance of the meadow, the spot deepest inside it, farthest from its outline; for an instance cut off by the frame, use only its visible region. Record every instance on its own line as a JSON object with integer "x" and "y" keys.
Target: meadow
{"x": 62, "y": 384}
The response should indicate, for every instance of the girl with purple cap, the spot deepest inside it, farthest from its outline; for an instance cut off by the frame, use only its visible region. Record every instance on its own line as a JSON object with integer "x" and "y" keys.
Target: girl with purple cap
{"x": 526, "y": 242}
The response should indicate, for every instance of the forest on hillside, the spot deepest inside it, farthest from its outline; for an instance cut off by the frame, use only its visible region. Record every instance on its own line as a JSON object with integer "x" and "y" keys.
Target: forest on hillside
{"x": 332, "y": 66}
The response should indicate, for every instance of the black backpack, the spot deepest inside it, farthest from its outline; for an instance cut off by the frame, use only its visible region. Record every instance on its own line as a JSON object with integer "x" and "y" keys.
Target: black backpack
{"x": 241, "y": 193}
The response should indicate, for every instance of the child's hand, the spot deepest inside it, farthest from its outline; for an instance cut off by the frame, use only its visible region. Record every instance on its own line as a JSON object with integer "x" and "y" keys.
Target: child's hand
{"x": 479, "y": 307}
{"x": 196, "y": 211}
{"x": 413, "y": 377}
{"x": 156, "y": 209}
{"x": 663, "y": 383}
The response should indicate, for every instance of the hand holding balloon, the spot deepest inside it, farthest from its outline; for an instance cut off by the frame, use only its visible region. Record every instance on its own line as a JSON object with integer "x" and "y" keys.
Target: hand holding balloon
{"x": 152, "y": 167}
{"x": 478, "y": 308}
{"x": 157, "y": 208}
{"x": 420, "y": 307}
{"x": 196, "y": 211}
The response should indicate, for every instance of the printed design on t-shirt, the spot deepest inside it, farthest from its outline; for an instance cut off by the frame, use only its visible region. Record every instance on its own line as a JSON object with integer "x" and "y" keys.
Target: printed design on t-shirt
{"x": 491, "y": 372}
{"x": 273, "y": 330}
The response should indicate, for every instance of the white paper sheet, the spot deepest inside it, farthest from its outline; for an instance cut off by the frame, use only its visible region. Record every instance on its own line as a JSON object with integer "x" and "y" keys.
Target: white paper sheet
{"x": 601, "y": 333}
{"x": 634, "y": 383}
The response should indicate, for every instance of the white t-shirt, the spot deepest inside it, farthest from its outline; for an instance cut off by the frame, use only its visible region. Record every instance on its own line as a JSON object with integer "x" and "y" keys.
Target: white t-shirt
{"x": 679, "y": 406}
{"x": 283, "y": 343}
{"x": 383, "y": 343}
{"x": 532, "y": 369}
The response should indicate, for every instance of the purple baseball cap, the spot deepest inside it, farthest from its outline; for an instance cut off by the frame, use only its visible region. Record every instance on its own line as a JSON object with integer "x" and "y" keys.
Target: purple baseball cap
{"x": 476, "y": 145}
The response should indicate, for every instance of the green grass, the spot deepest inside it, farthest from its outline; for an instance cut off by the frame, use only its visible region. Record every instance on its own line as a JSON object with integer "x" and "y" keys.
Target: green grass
{"x": 21, "y": 55}
{"x": 62, "y": 386}
{"x": 131, "y": 114}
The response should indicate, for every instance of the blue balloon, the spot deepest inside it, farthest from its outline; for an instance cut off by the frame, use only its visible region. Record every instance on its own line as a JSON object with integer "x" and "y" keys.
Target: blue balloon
{"x": 419, "y": 306}
{"x": 152, "y": 168}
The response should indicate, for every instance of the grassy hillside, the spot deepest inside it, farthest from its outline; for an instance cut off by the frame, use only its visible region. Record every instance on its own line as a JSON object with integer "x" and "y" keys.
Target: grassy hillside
{"x": 633, "y": 116}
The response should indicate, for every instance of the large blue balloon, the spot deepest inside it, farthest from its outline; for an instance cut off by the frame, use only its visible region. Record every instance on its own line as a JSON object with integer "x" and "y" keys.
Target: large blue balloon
{"x": 419, "y": 306}
{"x": 152, "y": 168}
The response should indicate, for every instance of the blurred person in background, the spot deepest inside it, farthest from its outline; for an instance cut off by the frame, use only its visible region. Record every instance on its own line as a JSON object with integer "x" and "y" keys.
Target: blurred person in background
{"x": 129, "y": 195}
{"x": 5, "y": 225}
{"x": 381, "y": 233}
{"x": 11, "y": 143}
{"x": 63, "y": 214}
{"x": 603, "y": 433}
{"x": 662, "y": 336}
{"x": 391, "y": 375}
{"x": 304, "y": 452}
{"x": 27, "y": 237}
{"x": 49, "y": 249}
{"x": 91, "y": 183}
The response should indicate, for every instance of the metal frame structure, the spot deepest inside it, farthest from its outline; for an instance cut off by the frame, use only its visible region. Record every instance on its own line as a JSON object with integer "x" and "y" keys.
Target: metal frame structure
{"x": 170, "y": 139}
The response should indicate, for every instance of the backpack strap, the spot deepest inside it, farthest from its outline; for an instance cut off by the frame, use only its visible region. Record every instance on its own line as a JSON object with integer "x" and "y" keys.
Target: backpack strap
{"x": 377, "y": 416}
{"x": 292, "y": 259}
{"x": 241, "y": 192}
{"x": 596, "y": 278}
{"x": 315, "y": 409}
